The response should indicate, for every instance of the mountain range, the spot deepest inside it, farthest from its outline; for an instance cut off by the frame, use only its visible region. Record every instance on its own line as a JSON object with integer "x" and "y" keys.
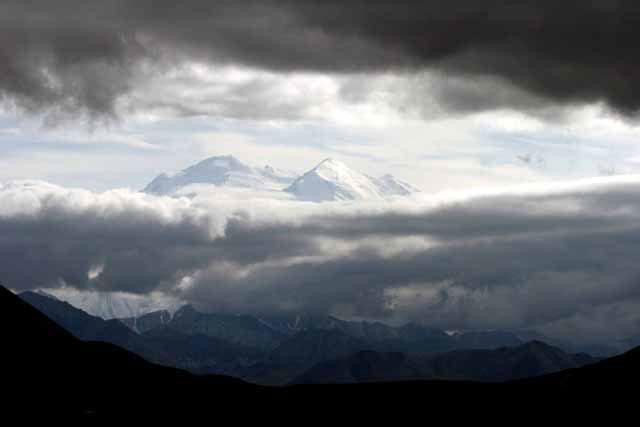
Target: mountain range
{"x": 154, "y": 340}
{"x": 330, "y": 180}
{"x": 134, "y": 309}
{"x": 280, "y": 351}
{"x": 114, "y": 305}
{"x": 221, "y": 171}
{"x": 49, "y": 372}
{"x": 502, "y": 364}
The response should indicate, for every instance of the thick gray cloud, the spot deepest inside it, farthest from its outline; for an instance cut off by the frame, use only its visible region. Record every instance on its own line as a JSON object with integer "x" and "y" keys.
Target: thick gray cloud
{"x": 58, "y": 236}
{"x": 84, "y": 56}
{"x": 558, "y": 260}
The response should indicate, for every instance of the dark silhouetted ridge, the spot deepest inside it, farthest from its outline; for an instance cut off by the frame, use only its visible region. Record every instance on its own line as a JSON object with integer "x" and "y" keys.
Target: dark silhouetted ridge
{"x": 46, "y": 371}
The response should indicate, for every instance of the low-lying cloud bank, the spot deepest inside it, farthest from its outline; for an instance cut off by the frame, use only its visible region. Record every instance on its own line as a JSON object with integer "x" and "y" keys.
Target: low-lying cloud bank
{"x": 560, "y": 259}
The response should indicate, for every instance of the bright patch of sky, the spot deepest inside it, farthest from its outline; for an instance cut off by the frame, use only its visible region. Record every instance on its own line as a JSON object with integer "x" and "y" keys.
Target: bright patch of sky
{"x": 293, "y": 121}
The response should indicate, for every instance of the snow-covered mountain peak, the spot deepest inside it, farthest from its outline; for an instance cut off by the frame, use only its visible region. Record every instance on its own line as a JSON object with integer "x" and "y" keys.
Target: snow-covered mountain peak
{"x": 333, "y": 180}
{"x": 330, "y": 180}
{"x": 225, "y": 171}
{"x": 335, "y": 170}
{"x": 219, "y": 164}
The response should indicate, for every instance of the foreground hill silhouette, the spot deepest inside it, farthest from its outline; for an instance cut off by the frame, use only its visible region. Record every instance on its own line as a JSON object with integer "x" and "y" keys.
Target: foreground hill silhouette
{"x": 47, "y": 366}
{"x": 47, "y": 370}
{"x": 197, "y": 353}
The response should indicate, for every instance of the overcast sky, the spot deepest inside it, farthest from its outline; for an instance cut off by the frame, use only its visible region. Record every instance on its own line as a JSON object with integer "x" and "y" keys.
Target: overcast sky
{"x": 443, "y": 94}
{"x": 459, "y": 98}
{"x": 295, "y": 120}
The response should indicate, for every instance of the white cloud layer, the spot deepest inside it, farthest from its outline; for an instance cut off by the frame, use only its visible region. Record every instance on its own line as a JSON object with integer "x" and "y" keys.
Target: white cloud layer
{"x": 556, "y": 258}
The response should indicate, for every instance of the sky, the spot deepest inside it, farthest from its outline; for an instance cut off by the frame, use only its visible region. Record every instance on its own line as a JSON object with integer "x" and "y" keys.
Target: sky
{"x": 518, "y": 121}
{"x": 295, "y": 120}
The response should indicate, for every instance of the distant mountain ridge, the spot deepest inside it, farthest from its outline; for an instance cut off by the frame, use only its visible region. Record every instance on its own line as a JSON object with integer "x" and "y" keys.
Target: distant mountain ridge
{"x": 49, "y": 372}
{"x": 110, "y": 305}
{"x": 150, "y": 338}
{"x": 135, "y": 309}
{"x": 83, "y": 325}
{"x": 331, "y": 351}
{"x": 268, "y": 331}
{"x": 46, "y": 370}
{"x": 504, "y": 364}
{"x": 242, "y": 330}
{"x": 264, "y": 350}
{"x": 330, "y": 180}
{"x": 148, "y": 321}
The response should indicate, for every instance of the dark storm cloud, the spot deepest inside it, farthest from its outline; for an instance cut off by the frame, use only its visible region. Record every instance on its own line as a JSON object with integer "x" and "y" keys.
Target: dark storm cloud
{"x": 557, "y": 260}
{"x": 58, "y": 236}
{"x": 51, "y": 237}
{"x": 83, "y": 56}
{"x": 500, "y": 261}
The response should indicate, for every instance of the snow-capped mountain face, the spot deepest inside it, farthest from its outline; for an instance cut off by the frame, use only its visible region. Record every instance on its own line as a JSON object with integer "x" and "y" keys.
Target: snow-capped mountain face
{"x": 332, "y": 180}
{"x": 392, "y": 186}
{"x": 109, "y": 305}
{"x": 221, "y": 171}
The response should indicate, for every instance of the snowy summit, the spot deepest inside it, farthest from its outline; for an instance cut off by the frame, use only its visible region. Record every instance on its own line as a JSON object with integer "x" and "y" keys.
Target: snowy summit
{"x": 331, "y": 180}
{"x": 220, "y": 171}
